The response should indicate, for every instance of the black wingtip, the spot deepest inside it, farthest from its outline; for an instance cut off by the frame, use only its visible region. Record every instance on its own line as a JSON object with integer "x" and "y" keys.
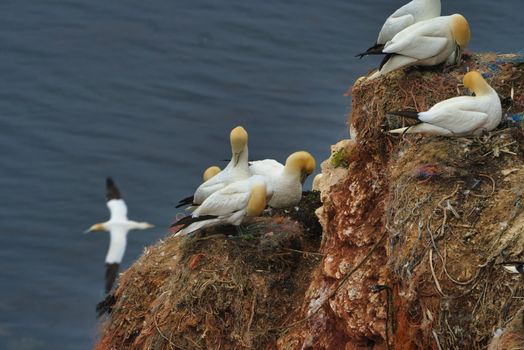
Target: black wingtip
{"x": 185, "y": 201}
{"x": 106, "y": 305}
{"x": 111, "y": 274}
{"x": 373, "y": 50}
{"x": 385, "y": 60}
{"x": 188, "y": 220}
{"x": 112, "y": 191}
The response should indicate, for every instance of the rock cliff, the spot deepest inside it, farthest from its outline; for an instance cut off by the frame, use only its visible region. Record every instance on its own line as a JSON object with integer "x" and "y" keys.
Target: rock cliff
{"x": 414, "y": 229}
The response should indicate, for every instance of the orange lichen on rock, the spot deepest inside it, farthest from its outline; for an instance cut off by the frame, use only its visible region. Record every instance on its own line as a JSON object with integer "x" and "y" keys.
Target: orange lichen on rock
{"x": 424, "y": 220}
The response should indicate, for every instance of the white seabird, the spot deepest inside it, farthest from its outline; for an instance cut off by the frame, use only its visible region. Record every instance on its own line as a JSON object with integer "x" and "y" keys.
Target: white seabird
{"x": 229, "y": 205}
{"x": 459, "y": 116}
{"x": 285, "y": 180}
{"x": 409, "y": 14}
{"x": 236, "y": 170}
{"x": 210, "y": 172}
{"x": 426, "y": 43}
{"x": 118, "y": 226}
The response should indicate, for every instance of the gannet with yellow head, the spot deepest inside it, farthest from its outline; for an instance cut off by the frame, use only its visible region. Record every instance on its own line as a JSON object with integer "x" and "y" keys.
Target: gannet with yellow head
{"x": 210, "y": 172}
{"x": 229, "y": 205}
{"x": 118, "y": 226}
{"x": 409, "y": 14}
{"x": 286, "y": 180}
{"x": 459, "y": 116}
{"x": 427, "y": 43}
{"x": 236, "y": 170}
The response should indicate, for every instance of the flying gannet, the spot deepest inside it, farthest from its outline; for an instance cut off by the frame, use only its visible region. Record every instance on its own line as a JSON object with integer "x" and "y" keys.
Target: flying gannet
{"x": 229, "y": 205}
{"x": 210, "y": 172}
{"x": 411, "y": 13}
{"x": 426, "y": 43}
{"x": 118, "y": 227}
{"x": 285, "y": 180}
{"x": 236, "y": 170}
{"x": 315, "y": 186}
{"x": 459, "y": 116}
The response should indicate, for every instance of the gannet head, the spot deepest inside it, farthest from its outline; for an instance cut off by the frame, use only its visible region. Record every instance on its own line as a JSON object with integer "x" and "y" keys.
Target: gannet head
{"x": 301, "y": 162}
{"x": 460, "y": 30}
{"x": 475, "y": 82}
{"x": 96, "y": 227}
{"x": 210, "y": 172}
{"x": 238, "y": 139}
{"x": 316, "y": 183}
{"x": 258, "y": 199}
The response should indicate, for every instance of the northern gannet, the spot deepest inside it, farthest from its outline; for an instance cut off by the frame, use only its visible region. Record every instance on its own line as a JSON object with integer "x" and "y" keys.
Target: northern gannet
{"x": 315, "y": 186}
{"x": 229, "y": 205}
{"x": 459, "y": 116}
{"x": 411, "y": 13}
{"x": 236, "y": 170}
{"x": 118, "y": 226}
{"x": 285, "y": 180}
{"x": 426, "y": 43}
{"x": 210, "y": 172}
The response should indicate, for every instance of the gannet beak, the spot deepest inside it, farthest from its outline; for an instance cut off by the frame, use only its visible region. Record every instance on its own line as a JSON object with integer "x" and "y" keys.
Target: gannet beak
{"x": 88, "y": 230}
{"x": 150, "y": 226}
{"x": 303, "y": 178}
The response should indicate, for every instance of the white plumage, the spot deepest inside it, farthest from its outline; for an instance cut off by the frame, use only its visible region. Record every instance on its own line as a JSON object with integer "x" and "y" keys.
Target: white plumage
{"x": 409, "y": 14}
{"x": 229, "y": 205}
{"x": 285, "y": 180}
{"x": 236, "y": 170}
{"x": 426, "y": 43}
{"x": 464, "y": 115}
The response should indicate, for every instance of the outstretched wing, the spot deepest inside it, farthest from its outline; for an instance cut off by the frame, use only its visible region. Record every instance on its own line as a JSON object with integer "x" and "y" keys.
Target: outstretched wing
{"x": 112, "y": 191}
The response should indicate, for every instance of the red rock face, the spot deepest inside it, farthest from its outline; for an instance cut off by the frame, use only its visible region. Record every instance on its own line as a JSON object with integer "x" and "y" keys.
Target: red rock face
{"x": 385, "y": 281}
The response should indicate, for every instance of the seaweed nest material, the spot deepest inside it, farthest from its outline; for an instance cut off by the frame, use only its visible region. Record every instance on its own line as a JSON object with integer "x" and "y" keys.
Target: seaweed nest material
{"x": 213, "y": 290}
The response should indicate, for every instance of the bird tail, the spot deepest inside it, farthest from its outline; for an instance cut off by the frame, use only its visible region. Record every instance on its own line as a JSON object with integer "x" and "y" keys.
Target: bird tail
{"x": 186, "y": 201}
{"x": 373, "y": 50}
{"x": 200, "y": 222}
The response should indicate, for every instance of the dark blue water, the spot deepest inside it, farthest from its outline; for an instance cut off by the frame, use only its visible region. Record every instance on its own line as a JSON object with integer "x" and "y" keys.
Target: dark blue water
{"x": 147, "y": 92}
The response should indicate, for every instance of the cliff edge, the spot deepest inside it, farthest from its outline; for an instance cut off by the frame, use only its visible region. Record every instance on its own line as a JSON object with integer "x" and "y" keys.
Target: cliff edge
{"x": 414, "y": 229}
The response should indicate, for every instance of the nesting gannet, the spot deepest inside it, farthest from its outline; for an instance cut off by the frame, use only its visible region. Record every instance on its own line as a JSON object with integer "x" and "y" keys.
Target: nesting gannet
{"x": 286, "y": 180}
{"x": 514, "y": 266}
{"x": 459, "y": 116}
{"x": 210, "y": 172}
{"x": 426, "y": 43}
{"x": 315, "y": 186}
{"x": 229, "y": 205}
{"x": 118, "y": 227}
{"x": 236, "y": 170}
{"x": 411, "y": 13}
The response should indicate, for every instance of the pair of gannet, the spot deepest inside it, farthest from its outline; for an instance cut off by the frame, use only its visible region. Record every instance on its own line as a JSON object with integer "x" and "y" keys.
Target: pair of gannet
{"x": 415, "y": 36}
{"x": 459, "y": 116}
{"x": 229, "y": 205}
{"x": 236, "y": 170}
{"x": 286, "y": 180}
{"x": 409, "y": 14}
{"x": 118, "y": 226}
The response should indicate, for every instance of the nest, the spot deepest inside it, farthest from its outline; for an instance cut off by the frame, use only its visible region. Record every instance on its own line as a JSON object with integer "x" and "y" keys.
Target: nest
{"x": 213, "y": 290}
{"x": 454, "y": 209}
